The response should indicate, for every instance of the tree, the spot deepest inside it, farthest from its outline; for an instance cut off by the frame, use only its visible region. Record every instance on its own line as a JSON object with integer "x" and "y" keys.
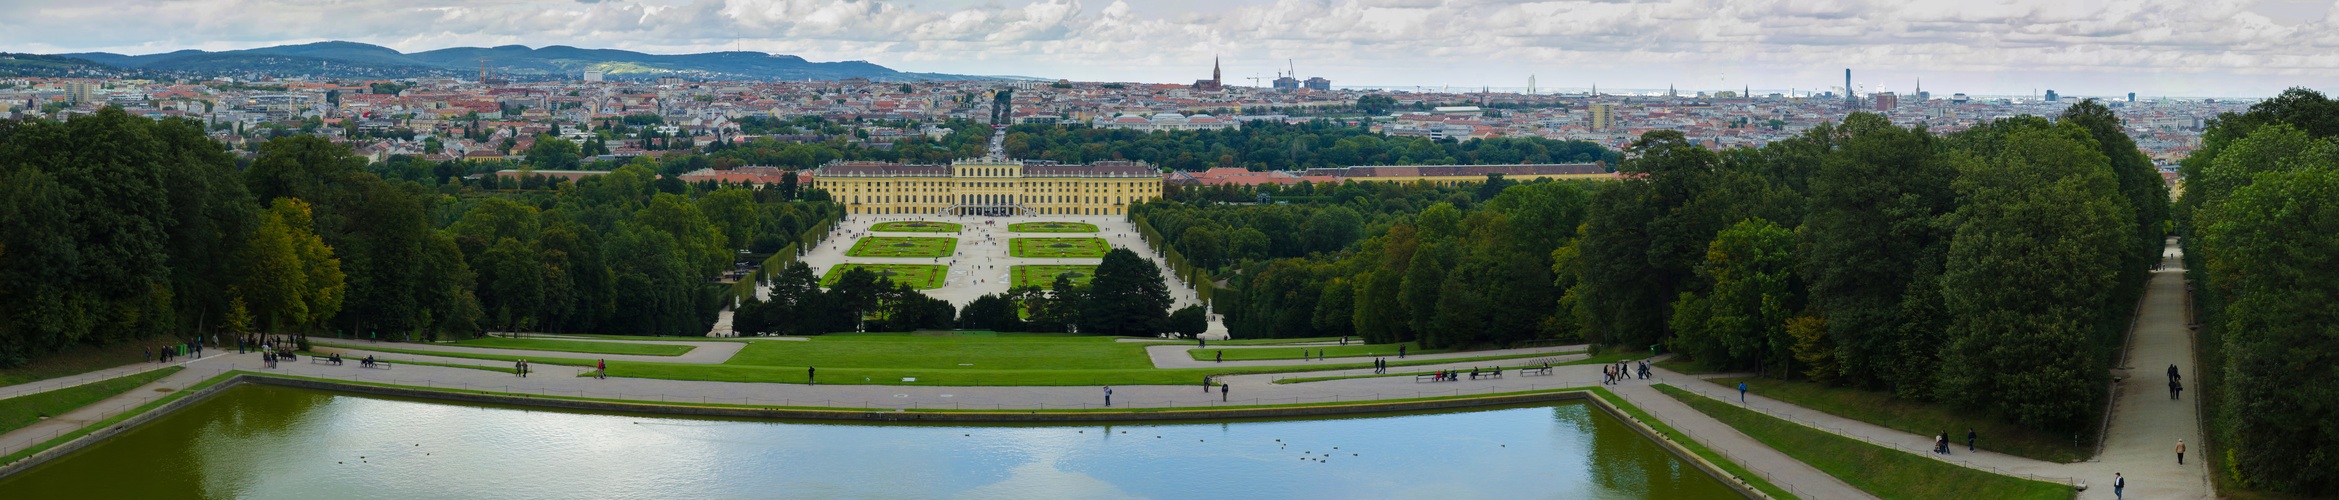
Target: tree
{"x": 291, "y": 278}
{"x": 553, "y": 153}
{"x": 1873, "y": 234}
{"x": 2275, "y": 250}
{"x": 1742, "y": 320}
{"x": 1189, "y": 321}
{"x": 1126, "y": 297}
{"x": 1375, "y": 104}
{"x": 995, "y": 312}
{"x": 2038, "y": 243}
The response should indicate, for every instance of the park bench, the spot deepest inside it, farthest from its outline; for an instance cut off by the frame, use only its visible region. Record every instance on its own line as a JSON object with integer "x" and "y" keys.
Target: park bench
{"x": 377, "y": 364}
{"x": 1430, "y": 378}
{"x": 1487, "y": 374}
{"x": 321, "y": 360}
{"x": 1532, "y": 371}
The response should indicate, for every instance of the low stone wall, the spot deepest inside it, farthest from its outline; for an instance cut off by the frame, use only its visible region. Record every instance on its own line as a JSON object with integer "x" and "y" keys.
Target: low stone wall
{"x": 1678, "y": 450}
{"x": 68, "y": 447}
{"x": 912, "y": 416}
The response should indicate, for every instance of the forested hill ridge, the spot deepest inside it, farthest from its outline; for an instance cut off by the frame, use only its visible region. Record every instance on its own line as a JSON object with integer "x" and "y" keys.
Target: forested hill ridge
{"x": 338, "y": 59}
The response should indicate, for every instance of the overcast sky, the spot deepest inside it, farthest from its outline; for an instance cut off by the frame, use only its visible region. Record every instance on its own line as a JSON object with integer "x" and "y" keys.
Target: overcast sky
{"x": 2241, "y": 48}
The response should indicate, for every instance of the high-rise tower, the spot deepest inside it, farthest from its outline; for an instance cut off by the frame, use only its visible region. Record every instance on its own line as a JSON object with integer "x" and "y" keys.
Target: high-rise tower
{"x": 1850, "y": 99}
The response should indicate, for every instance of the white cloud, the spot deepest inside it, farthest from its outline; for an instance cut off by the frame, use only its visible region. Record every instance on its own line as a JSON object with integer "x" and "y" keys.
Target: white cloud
{"x": 2164, "y": 46}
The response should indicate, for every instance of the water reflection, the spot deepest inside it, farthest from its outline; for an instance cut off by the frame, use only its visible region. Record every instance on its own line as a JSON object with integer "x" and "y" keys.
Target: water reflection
{"x": 276, "y": 442}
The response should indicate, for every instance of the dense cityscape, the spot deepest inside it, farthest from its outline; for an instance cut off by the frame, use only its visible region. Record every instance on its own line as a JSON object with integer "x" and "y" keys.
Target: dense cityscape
{"x": 436, "y": 118}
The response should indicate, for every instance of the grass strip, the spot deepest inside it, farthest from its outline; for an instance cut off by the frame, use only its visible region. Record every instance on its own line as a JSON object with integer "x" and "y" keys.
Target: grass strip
{"x": 20, "y": 411}
{"x": 1695, "y": 447}
{"x": 579, "y": 346}
{"x": 1604, "y": 358}
{"x": 110, "y": 421}
{"x": 1880, "y": 471}
{"x": 1918, "y": 417}
{"x": 1310, "y": 352}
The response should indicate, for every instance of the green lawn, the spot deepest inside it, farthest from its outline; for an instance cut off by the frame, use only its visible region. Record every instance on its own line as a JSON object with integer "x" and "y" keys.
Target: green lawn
{"x": 20, "y": 411}
{"x": 1918, "y": 417}
{"x": 1045, "y": 276}
{"x": 1880, "y": 471}
{"x": 919, "y": 276}
{"x": 948, "y": 353}
{"x": 1330, "y": 351}
{"x": 1052, "y": 227}
{"x": 1058, "y": 248}
{"x": 1685, "y": 366}
{"x": 915, "y": 227}
{"x": 900, "y": 246}
{"x": 580, "y": 346}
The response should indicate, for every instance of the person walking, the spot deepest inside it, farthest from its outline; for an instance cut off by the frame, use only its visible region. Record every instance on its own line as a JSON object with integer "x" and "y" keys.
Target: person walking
{"x": 601, "y": 369}
{"x": 2180, "y": 452}
{"x": 1741, "y": 393}
{"x": 1108, "y": 395}
{"x": 2175, "y": 387}
{"x": 808, "y": 373}
{"x": 1222, "y": 390}
{"x": 1969, "y": 439}
{"x": 2118, "y": 483}
{"x": 1400, "y": 351}
{"x": 1221, "y": 357}
{"x": 1205, "y": 384}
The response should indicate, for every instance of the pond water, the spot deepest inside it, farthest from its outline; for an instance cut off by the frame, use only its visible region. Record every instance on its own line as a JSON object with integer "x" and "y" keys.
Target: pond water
{"x": 259, "y": 441}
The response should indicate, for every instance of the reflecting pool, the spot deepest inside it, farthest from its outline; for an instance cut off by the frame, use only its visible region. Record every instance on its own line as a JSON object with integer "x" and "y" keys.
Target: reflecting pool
{"x": 261, "y": 441}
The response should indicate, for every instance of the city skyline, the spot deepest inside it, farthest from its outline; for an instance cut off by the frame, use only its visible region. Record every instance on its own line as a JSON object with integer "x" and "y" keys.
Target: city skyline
{"x": 2192, "y": 49}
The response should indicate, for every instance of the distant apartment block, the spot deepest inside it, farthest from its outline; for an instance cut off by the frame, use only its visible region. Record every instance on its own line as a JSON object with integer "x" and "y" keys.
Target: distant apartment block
{"x": 1164, "y": 122}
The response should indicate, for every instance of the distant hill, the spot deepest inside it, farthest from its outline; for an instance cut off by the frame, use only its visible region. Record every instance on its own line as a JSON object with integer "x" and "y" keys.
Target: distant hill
{"x": 358, "y": 60}
{"x": 62, "y": 67}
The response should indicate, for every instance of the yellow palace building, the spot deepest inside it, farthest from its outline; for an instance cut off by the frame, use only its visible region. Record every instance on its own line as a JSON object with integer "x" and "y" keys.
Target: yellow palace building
{"x": 989, "y": 186}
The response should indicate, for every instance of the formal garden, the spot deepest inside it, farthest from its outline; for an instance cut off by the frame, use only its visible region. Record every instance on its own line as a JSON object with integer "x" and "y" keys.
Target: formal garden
{"x": 1045, "y": 275}
{"x": 1052, "y": 227}
{"x": 915, "y": 226}
{"x": 1059, "y": 248}
{"x": 890, "y": 246}
{"x": 920, "y": 276}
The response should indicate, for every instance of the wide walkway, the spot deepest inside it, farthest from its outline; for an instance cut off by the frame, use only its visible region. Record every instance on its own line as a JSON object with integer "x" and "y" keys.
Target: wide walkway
{"x": 41, "y": 386}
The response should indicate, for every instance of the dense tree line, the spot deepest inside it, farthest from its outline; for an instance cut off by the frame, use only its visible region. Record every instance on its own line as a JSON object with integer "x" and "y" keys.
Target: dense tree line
{"x": 1446, "y": 266}
{"x": 2260, "y": 216}
{"x": 860, "y": 300}
{"x": 1995, "y": 268}
{"x": 114, "y": 227}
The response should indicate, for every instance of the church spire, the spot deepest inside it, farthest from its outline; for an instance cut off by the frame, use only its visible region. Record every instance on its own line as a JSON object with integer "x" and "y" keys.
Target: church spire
{"x": 1214, "y": 71}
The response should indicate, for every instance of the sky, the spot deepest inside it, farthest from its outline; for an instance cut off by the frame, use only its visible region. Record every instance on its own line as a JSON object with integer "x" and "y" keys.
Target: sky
{"x": 2177, "y": 48}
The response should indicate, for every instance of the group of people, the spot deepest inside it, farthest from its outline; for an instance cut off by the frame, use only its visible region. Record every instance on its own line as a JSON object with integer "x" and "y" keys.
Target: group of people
{"x": 520, "y": 368}
{"x": 1380, "y": 366}
{"x": 1615, "y": 373}
{"x": 2176, "y": 383}
{"x": 1941, "y": 441}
